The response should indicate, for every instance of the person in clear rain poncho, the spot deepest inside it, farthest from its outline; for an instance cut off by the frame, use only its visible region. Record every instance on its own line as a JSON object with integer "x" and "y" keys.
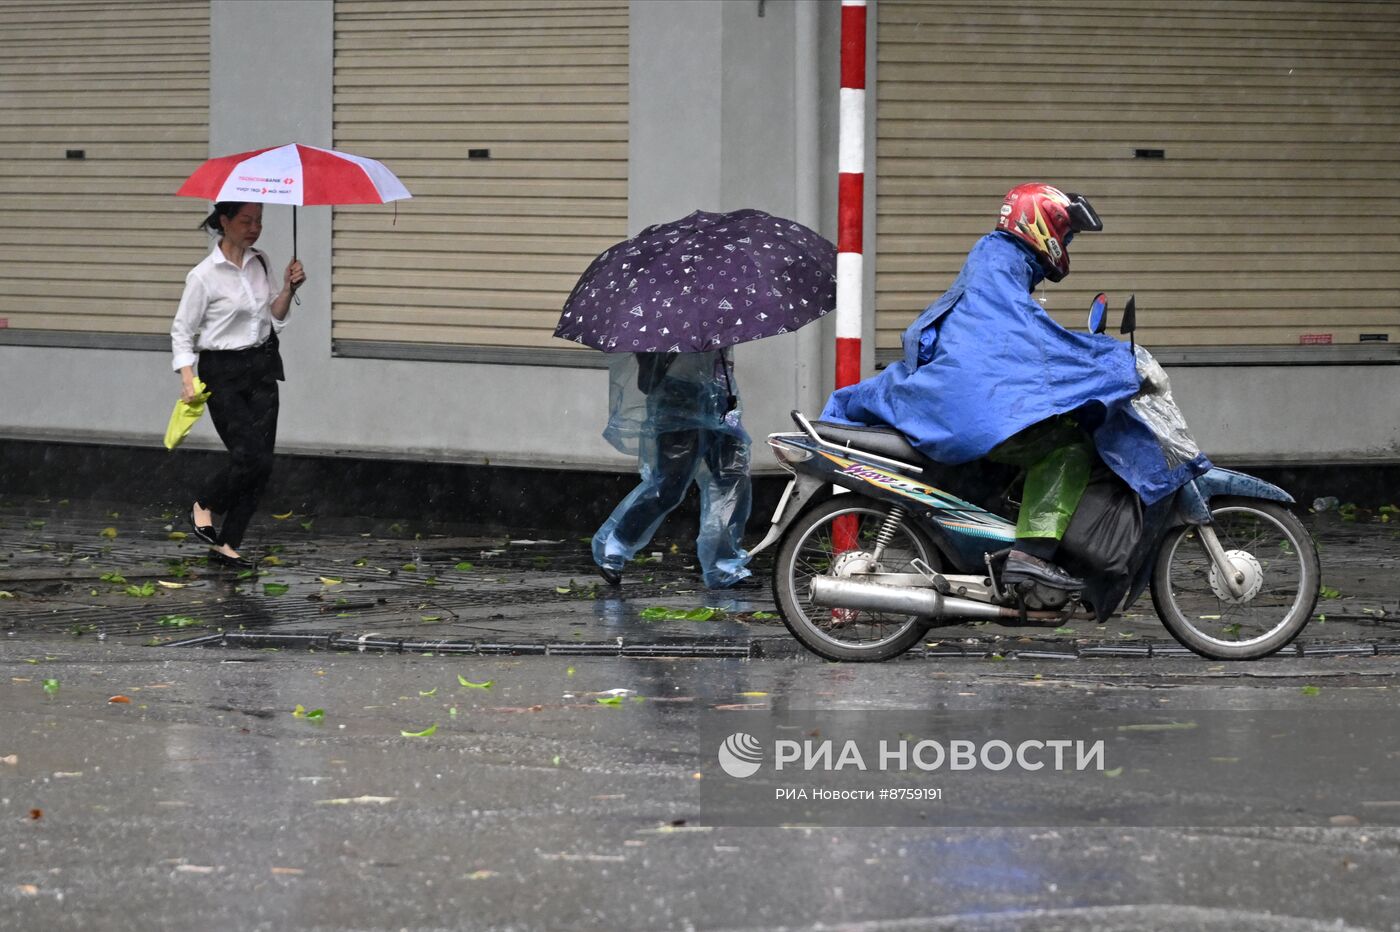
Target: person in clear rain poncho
{"x": 679, "y": 413}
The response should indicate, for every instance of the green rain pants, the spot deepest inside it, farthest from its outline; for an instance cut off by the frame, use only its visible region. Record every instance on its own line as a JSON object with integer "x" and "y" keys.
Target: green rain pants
{"x": 1057, "y": 456}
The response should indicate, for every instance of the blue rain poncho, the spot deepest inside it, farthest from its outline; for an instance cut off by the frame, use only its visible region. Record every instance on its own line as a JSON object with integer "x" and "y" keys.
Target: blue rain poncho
{"x": 672, "y": 411}
{"x": 985, "y": 361}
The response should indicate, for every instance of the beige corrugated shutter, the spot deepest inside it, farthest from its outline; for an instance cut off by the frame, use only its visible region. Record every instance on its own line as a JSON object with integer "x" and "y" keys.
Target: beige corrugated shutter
{"x": 489, "y": 247}
{"x": 104, "y": 111}
{"x": 1270, "y": 217}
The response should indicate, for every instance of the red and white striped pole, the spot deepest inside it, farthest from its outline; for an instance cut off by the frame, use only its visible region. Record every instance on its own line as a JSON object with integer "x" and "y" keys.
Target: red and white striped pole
{"x": 850, "y": 222}
{"x": 850, "y": 199}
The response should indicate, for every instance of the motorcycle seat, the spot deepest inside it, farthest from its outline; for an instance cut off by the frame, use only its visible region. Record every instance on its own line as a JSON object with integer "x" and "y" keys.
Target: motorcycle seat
{"x": 882, "y": 441}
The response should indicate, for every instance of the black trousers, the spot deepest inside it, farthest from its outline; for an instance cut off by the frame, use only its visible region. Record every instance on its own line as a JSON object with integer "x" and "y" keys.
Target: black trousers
{"x": 243, "y": 404}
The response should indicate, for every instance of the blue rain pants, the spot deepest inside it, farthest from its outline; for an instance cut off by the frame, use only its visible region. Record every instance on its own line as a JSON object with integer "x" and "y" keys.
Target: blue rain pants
{"x": 717, "y": 461}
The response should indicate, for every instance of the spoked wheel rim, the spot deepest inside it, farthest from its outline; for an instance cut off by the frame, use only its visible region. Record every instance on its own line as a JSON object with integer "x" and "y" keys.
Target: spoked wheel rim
{"x": 1271, "y": 557}
{"x": 823, "y": 547}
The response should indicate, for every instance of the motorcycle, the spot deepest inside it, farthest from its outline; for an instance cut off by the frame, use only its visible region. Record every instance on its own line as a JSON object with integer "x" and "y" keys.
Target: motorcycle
{"x": 864, "y": 575}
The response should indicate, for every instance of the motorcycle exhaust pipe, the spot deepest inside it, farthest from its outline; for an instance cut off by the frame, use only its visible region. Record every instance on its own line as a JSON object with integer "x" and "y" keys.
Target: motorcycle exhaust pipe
{"x": 903, "y": 600}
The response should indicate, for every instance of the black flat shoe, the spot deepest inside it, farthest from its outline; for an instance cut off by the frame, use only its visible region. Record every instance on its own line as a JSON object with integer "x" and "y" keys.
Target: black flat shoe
{"x": 612, "y": 577}
{"x": 204, "y": 532}
{"x": 219, "y": 558}
{"x": 1022, "y": 567}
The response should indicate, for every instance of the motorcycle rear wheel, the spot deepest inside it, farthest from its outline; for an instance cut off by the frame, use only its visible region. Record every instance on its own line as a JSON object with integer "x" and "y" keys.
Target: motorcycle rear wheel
{"x": 808, "y": 549}
{"x": 1274, "y": 551}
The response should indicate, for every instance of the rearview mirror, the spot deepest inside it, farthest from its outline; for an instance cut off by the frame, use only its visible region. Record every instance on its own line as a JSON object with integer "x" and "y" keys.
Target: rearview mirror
{"x": 1098, "y": 313}
{"x": 1129, "y": 316}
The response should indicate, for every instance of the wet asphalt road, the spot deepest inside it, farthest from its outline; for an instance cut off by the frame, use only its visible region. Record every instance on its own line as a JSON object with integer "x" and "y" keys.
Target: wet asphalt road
{"x": 205, "y": 802}
{"x": 132, "y": 573}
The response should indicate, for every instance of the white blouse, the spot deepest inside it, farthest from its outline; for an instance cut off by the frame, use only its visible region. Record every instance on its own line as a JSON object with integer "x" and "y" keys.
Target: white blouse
{"x": 224, "y": 307}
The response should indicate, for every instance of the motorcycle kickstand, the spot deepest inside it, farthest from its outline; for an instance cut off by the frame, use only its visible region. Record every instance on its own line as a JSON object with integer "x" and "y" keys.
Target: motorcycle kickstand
{"x": 935, "y": 579}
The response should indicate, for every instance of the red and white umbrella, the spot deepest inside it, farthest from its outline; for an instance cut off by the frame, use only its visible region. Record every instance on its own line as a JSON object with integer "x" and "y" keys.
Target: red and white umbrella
{"x": 297, "y": 175}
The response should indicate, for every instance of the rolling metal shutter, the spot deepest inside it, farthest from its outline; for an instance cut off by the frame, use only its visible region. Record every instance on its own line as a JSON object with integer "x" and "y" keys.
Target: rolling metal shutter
{"x": 104, "y": 110}
{"x": 507, "y": 120}
{"x": 1242, "y": 154}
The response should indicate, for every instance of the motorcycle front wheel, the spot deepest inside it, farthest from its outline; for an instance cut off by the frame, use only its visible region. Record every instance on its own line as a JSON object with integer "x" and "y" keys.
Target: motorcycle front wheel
{"x": 816, "y": 544}
{"x": 1269, "y": 546}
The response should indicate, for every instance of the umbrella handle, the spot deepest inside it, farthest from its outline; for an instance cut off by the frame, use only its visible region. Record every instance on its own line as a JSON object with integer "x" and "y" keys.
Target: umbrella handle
{"x": 296, "y": 298}
{"x": 732, "y": 401}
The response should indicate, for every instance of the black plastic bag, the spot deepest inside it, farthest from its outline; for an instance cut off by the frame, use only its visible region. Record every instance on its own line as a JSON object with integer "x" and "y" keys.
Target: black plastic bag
{"x": 1102, "y": 543}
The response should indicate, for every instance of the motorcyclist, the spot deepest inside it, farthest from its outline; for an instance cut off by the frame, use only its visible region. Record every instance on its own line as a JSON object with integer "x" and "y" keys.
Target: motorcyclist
{"x": 988, "y": 373}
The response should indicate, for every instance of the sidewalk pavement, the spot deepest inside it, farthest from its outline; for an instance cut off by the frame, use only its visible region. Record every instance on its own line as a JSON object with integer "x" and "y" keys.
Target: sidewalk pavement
{"x": 133, "y": 574}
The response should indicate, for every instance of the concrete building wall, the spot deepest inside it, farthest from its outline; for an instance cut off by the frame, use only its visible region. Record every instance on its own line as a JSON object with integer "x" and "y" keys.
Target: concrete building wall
{"x": 733, "y": 103}
{"x": 713, "y": 125}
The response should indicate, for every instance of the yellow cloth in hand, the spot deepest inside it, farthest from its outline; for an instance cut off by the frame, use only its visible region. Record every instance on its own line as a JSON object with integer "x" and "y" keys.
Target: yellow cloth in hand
{"x": 183, "y": 417}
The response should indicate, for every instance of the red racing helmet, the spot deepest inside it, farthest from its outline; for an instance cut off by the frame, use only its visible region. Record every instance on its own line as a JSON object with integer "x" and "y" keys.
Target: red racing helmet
{"x": 1046, "y": 219}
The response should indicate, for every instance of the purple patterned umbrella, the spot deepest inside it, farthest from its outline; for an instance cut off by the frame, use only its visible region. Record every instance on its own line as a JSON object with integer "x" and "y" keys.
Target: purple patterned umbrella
{"x": 701, "y": 283}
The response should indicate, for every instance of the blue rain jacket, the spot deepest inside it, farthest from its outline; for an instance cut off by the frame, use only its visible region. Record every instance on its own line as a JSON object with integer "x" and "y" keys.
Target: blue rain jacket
{"x": 985, "y": 361}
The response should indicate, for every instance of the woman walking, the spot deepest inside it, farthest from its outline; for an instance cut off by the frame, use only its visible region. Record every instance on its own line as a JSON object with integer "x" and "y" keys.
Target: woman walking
{"x": 227, "y": 325}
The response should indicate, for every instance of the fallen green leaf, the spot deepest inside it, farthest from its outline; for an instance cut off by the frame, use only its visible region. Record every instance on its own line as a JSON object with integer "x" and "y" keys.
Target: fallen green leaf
{"x": 51, "y": 686}
{"x": 425, "y": 733}
{"x": 107, "y": 532}
{"x": 275, "y": 588}
{"x": 143, "y": 591}
{"x": 177, "y": 621}
{"x": 609, "y": 700}
{"x": 431, "y": 692}
{"x": 1115, "y": 772}
{"x": 1327, "y": 592}
{"x": 466, "y": 682}
{"x": 113, "y": 578}
{"x": 662, "y": 613}
{"x": 1311, "y": 691}
{"x": 409, "y": 567}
